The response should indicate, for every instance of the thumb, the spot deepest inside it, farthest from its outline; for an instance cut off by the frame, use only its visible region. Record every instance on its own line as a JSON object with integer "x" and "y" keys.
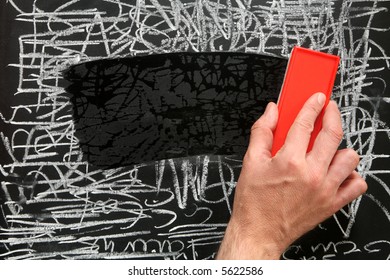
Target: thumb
{"x": 261, "y": 139}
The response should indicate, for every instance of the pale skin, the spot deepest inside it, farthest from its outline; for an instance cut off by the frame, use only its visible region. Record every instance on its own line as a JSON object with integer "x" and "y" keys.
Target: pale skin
{"x": 280, "y": 198}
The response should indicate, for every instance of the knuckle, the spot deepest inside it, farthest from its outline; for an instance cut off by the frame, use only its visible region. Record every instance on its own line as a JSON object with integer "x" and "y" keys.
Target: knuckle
{"x": 312, "y": 105}
{"x": 249, "y": 157}
{"x": 258, "y": 123}
{"x": 335, "y": 133}
{"x": 362, "y": 184}
{"x": 315, "y": 180}
{"x": 293, "y": 164}
{"x": 352, "y": 156}
{"x": 314, "y": 109}
{"x": 260, "y": 128}
{"x": 305, "y": 124}
{"x": 315, "y": 177}
{"x": 252, "y": 156}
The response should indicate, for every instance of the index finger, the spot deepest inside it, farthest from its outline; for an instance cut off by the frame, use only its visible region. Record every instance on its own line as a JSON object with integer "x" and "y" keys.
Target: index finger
{"x": 298, "y": 137}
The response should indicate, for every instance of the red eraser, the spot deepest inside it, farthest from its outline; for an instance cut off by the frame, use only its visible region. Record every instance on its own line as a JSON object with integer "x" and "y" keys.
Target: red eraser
{"x": 308, "y": 72}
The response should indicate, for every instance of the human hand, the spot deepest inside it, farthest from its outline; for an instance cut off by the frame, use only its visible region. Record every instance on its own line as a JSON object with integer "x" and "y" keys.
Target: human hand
{"x": 280, "y": 198}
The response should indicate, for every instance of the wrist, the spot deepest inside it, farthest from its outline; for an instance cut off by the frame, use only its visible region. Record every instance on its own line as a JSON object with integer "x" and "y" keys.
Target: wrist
{"x": 241, "y": 242}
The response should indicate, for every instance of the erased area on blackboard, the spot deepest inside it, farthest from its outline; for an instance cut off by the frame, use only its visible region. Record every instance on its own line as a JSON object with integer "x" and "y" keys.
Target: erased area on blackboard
{"x": 147, "y": 108}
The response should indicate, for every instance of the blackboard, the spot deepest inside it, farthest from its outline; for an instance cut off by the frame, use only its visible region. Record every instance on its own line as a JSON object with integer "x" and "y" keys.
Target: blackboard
{"x": 70, "y": 191}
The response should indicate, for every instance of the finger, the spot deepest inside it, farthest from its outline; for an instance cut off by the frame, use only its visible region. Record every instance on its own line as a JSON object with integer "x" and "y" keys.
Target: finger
{"x": 329, "y": 138}
{"x": 353, "y": 175}
{"x": 298, "y": 137}
{"x": 342, "y": 166}
{"x": 261, "y": 138}
{"x": 349, "y": 190}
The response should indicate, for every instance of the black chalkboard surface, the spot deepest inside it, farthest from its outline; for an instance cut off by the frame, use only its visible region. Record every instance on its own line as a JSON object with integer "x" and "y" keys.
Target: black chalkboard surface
{"x": 123, "y": 123}
{"x": 156, "y": 107}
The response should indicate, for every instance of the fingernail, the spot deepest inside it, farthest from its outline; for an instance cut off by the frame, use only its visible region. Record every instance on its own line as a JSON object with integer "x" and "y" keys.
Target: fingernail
{"x": 321, "y": 98}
